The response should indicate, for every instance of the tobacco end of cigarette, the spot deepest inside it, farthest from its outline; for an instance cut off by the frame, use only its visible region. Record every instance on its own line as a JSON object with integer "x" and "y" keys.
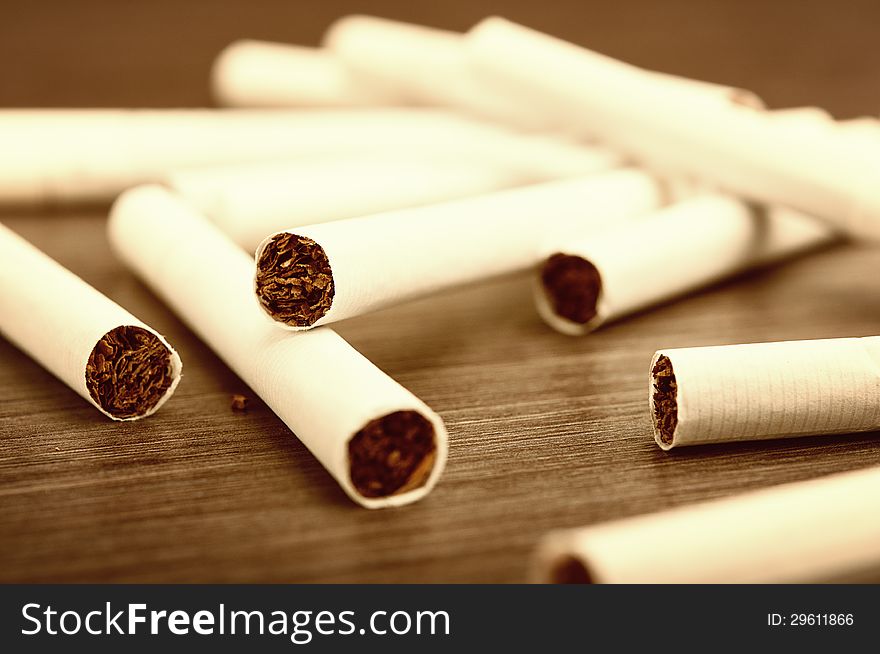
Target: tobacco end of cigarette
{"x": 392, "y": 454}
{"x": 570, "y": 570}
{"x": 239, "y": 403}
{"x": 664, "y": 399}
{"x": 294, "y": 282}
{"x": 572, "y": 285}
{"x": 129, "y": 371}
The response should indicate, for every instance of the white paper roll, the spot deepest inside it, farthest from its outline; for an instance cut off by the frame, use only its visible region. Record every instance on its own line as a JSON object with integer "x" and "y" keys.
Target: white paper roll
{"x": 594, "y": 279}
{"x": 742, "y": 151}
{"x": 819, "y": 530}
{"x": 363, "y": 264}
{"x": 71, "y": 329}
{"x": 251, "y": 73}
{"x": 250, "y": 201}
{"x": 60, "y": 155}
{"x": 765, "y": 390}
{"x": 321, "y": 387}
{"x": 426, "y": 65}
{"x": 432, "y": 67}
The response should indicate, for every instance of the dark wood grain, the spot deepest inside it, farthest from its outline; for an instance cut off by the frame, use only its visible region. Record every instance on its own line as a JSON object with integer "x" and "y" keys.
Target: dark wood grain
{"x": 546, "y": 431}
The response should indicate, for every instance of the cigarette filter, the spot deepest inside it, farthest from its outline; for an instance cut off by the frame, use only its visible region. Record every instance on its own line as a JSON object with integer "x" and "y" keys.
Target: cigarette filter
{"x": 765, "y": 390}
{"x": 588, "y": 281}
{"x": 382, "y": 444}
{"x": 261, "y": 74}
{"x": 821, "y": 530}
{"x": 319, "y": 274}
{"x": 121, "y": 366}
{"x": 739, "y": 150}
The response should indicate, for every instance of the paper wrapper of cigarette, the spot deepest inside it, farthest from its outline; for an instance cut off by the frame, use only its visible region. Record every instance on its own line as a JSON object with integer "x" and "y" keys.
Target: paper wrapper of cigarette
{"x": 320, "y": 274}
{"x": 588, "y": 281}
{"x": 765, "y": 390}
{"x": 425, "y": 66}
{"x": 822, "y": 530}
{"x": 121, "y": 366}
{"x": 382, "y": 444}
{"x": 93, "y": 155}
{"x": 251, "y": 73}
{"x": 250, "y": 201}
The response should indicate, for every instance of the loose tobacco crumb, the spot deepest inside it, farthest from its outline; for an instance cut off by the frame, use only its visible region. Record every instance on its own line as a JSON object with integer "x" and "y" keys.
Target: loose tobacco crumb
{"x": 239, "y": 403}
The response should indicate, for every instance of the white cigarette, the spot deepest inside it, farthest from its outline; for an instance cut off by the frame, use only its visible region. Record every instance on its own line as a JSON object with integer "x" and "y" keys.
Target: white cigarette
{"x": 382, "y": 444}
{"x": 765, "y": 390}
{"x": 250, "y": 201}
{"x": 741, "y": 151}
{"x": 426, "y": 65}
{"x": 432, "y": 67}
{"x": 58, "y": 155}
{"x": 121, "y": 366}
{"x": 821, "y": 530}
{"x": 261, "y": 74}
{"x": 589, "y": 281}
{"x": 320, "y": 274}
{"x": 863, "y": 135}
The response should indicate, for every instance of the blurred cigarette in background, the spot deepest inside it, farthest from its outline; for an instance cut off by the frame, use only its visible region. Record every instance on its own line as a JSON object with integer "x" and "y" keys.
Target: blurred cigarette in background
{"x": 758, "y": 391}
{"x": 261, "y": 74}
{"x": 121, "y": 366}
{"x": 590, "y": 280}
{"x": 79, "y": 155}
{"x": 382, "y": 444}
{"x": 821, "y": 530}
{"x": 432, "y": 67}
{"x": 251, "y": 201}
{"x": 320, "y": 274}
{"x": 425, "y": 65}
{"x": 737, "y": 149}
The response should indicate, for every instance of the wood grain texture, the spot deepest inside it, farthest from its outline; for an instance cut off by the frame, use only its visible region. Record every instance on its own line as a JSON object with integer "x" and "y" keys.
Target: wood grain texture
{"x": 546, "y": 431}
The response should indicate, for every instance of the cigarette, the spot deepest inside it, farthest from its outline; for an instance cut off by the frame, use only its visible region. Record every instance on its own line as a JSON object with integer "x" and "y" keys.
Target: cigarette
{"x": 250, "y": 201}
{"x": 122, "y": 367}
{"x": 863, "y": 135}
{"x": 432, "y": 67}
{"x": 589, "y": 281}
{"x": 82, "y": 156}
{"x": 736, "y": 149}
{"x": 261, "y": 74}
{"x": 319, "y": 274}
{"x": 765, "y": 390}
{"x": 382, "y": 444}
{"x": 425, "y": 65}
{"x": 821, "y": 530}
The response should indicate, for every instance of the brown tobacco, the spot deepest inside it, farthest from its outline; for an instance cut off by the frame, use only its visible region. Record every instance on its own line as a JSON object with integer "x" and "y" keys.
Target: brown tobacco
{"x": 294, "y": 280}
{"x": 664, "y": 399}
{"x": 392, "y": 454}
{"x": 239, "y": 403}
{"x": 572, "y": 285}
{"x": 128, "y": 371}
{"x": 570, "y": 571}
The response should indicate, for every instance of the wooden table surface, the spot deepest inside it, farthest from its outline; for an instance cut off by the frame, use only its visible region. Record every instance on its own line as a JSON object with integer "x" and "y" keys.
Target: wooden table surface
{"x": 546, "y": 431}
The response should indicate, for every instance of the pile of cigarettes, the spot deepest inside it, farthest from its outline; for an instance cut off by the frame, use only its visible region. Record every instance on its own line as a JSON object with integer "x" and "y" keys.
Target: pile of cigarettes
{"x": 398, "y": 160}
